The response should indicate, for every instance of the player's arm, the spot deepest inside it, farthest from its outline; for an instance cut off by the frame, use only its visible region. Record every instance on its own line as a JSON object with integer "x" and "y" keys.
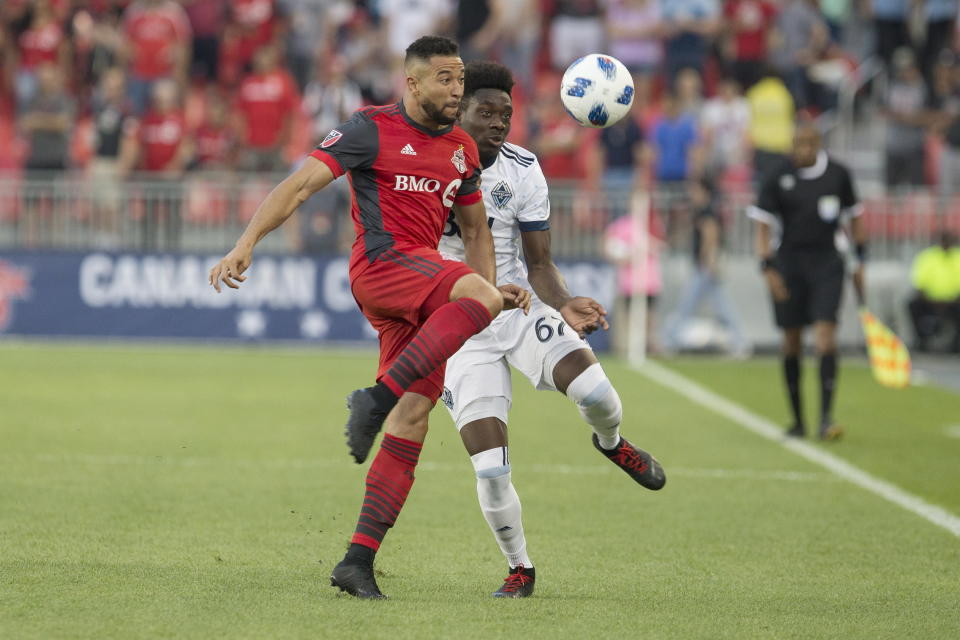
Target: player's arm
{"x": 272, "y": 212}
{"x": 584, "y": 315}
{"x": 479, "y": 253}
{"x": 763, "y": 215}
{"x": 477, "y": 239}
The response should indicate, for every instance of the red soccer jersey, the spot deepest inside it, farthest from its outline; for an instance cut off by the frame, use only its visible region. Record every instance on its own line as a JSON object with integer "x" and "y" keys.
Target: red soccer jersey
{"x": 213, "y": 145}
{"x": 39, "y": 46}
{"x": 154, "y": 33}
{"x": 753, "y": 19}
{"x": 266, "y": 101}
{"x": 160, "y": 136}
{"x": 404, "y": 178}
{"x": 258, "y": 19}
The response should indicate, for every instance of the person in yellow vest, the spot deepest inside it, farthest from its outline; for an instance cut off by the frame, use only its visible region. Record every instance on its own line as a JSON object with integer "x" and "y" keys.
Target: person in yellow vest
{"x": 935, "y": 305}
{"x": 772, "y": 121}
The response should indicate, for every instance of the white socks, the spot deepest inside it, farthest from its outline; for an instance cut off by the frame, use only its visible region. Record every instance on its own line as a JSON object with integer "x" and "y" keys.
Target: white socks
{"x": 599, "y": 404}
{"x": 501, "y": 504}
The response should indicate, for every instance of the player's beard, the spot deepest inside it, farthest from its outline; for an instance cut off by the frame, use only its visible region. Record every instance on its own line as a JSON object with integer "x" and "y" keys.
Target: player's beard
{"x": 436, "y": 113}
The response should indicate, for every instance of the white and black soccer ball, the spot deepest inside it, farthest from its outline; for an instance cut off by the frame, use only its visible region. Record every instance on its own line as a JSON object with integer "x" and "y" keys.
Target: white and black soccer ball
{"x": 597, "y": 90}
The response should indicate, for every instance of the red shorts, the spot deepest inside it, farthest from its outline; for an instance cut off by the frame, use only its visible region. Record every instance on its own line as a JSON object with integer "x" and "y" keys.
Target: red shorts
{"x": 397, "y": 293}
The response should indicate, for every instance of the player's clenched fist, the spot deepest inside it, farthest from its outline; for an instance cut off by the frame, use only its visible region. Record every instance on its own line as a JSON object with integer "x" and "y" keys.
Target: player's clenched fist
{"x": 515, "y": 297}
{"x": 230, "y": 269}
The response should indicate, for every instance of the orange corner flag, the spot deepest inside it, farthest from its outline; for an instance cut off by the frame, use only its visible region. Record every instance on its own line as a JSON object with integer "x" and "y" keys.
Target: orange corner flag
{"x": 889, "y": 358}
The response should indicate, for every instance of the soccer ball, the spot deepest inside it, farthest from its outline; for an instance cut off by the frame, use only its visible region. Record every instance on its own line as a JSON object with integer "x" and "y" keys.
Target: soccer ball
{"x": 597, "y": 90}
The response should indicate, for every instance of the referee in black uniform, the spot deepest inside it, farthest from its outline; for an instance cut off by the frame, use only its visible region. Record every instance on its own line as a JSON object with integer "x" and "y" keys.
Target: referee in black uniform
{"x": 802, "y": 204}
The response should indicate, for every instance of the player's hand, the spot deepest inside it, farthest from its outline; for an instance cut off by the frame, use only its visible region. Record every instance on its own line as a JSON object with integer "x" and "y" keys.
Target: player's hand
{"x": 230, "y": 268}
{"x": 515, "y": 297}
{"x": 778, "y": 287}
{"x": 584, "y": 315}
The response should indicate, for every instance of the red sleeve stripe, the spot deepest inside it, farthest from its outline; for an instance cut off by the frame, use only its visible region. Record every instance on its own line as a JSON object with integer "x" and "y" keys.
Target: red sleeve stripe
{"x": 469, "y": 198}
{"x": 328, "y": 160}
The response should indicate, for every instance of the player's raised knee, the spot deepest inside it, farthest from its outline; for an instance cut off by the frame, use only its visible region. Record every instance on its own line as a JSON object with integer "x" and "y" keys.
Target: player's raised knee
{"x": 475, "y": 286}
{"x": 594, "y": 394}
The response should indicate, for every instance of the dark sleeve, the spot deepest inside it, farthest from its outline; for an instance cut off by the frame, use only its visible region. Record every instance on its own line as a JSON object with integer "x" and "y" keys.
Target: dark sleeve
{"x": 768, "y": 199}
{"x": 469, "y": 192}
{"x": 353, "y": 145}
{"x": 848, "y": 192}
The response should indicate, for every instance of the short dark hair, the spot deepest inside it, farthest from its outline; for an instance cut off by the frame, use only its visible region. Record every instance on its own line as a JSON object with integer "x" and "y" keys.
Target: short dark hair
{"x": 486, "y": 75}
{"x": 426, "y": 47}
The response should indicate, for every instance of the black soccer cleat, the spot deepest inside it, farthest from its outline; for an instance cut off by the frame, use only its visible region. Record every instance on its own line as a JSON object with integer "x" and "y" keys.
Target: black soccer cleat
{"x": 364, "y": 423}
{"x": 830, "y": 431}
{"x": 357, "y": 580}
{"x": 796, "y": 431}
{"x": 518, "y": 584}
{"x": 639, "y": 465}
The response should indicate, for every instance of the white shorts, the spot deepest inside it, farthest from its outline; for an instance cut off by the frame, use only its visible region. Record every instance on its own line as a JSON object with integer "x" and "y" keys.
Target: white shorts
{"x": 477, "y": 383}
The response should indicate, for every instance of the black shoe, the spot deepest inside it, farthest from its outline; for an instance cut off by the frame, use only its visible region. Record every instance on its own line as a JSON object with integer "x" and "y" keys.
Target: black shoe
{"x": 518, "y": 584}
{"x": 830, "y": 431}
{"x": 364, "y": 423}
{"x": 639, "y": 465}
{"x": 357, "y": 580}
{"x": 796, "y": 431}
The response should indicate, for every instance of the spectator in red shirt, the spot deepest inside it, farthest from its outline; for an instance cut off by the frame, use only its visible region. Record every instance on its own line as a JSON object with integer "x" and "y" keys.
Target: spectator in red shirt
{"x": 163, "y": 146}
{"x": 157, "y": 34}
{"x": 164, "y": 150}
{"x": 266, "y": 102}
{"x": 253, "y": 24}
{"x": 749, "y": 22}
{"x": 561, "y": 144}
{"x": 214, "y": 139}
{"x": 41, "y": 42}
{"x": 206, "y": 21}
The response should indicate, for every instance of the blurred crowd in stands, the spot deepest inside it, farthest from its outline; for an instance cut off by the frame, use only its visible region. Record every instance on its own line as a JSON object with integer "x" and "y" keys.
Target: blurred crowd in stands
{"x": 167, "y": 86}
{"x": 185, "y": 94}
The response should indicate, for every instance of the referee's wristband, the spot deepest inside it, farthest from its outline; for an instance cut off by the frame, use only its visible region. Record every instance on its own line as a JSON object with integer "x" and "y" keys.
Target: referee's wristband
{"x": 766, "y": 263}
{"x": 861, "y": 251}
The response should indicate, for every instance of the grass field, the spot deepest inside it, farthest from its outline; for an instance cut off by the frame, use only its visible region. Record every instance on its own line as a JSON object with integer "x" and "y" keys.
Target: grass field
{"x": 150, "y": 491}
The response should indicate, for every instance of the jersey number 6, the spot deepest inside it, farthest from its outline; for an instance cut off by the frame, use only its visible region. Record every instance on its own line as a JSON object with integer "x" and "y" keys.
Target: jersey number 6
{"x": 545, "y": 331}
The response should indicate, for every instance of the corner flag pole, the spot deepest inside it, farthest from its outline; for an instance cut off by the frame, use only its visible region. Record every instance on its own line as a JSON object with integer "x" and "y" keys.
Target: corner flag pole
{"x": 637, "y": 310}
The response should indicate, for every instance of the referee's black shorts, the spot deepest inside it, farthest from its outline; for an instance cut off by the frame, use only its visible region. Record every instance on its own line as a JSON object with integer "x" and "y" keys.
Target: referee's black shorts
{"x": 815, "y": 282}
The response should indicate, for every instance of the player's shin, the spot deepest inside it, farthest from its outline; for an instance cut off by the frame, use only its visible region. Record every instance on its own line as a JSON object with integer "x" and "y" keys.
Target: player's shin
{"x": 791, "y": 375}
{"x": 599, "y": 404}
{"x": 389, "y": 481}
{"x": 501, "y": 504}
{"x": 828, "y": 382}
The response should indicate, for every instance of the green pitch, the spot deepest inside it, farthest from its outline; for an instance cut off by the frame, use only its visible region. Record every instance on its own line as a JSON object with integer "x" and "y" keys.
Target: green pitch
{"x": 196, "y": 493}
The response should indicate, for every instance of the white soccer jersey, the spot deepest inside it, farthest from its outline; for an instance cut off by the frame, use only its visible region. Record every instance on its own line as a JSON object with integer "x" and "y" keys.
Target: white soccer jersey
{"x": 515, "y": 197}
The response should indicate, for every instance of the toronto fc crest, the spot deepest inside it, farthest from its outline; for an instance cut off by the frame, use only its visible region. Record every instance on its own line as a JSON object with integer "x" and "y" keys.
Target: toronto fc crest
{"x": 459, "y": 160}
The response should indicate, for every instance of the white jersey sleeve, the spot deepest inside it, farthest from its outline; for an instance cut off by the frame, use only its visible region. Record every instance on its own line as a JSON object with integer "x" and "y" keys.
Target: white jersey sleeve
{"x": 533, "y": 212}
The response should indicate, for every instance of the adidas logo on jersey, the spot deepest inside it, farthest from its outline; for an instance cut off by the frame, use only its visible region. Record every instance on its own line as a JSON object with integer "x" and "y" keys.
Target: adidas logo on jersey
{"x": 408, "y": 150}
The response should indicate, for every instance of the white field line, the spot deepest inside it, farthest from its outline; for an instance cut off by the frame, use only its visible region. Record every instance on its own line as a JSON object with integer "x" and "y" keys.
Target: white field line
{"x": 770, "y": 431}
{"x": 307, "y": 463}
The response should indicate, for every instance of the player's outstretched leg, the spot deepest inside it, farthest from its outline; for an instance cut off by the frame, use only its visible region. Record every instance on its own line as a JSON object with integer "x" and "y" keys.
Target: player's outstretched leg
{"x": 442, "y": 334}
{"x": 825, "y": 336}
{"x": 388, "y": 484}
{"x": 600, "y": 407}
{"x": 791, "y": 377}
{"x": 501, "y": 508}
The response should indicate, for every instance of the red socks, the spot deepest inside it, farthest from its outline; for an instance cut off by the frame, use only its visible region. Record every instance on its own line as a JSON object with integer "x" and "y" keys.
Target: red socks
{"x": 388, "y": 483}
{"x": 440, "y": 337}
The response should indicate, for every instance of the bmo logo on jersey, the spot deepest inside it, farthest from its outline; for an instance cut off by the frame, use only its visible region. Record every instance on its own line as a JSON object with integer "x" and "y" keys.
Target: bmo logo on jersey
{"x": 428, "y": 185}
{"x": 413, "y": 183}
